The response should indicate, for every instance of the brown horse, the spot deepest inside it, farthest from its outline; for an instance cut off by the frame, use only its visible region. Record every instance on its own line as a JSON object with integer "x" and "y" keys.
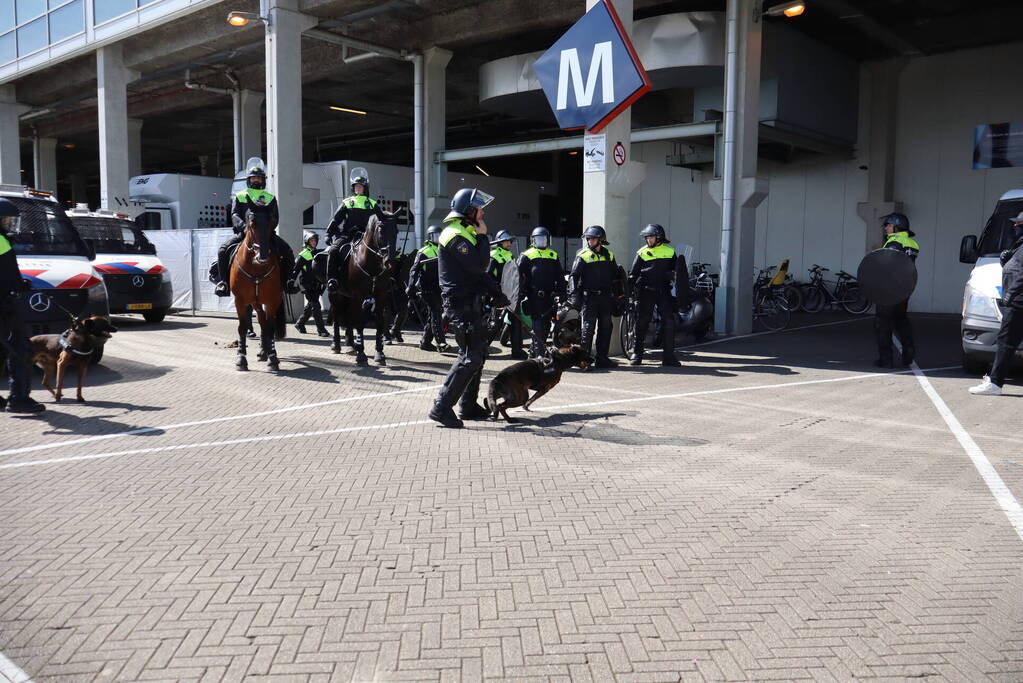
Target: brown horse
{"x": 256, "y": 280}
{"x": 367, "y": 276}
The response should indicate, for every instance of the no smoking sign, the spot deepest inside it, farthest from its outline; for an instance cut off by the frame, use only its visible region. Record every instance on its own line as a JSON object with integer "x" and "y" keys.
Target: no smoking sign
{"x": 619, "y": 153}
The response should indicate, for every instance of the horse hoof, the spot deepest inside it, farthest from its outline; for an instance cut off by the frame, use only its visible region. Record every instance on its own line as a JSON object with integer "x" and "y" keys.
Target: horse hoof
{"x": 380, "y": 360}
{"x": 261, "y": 356}
{"x": 241, "y": 365}
{"x": 361, "y": 360}
{"x": 274, "y": 365}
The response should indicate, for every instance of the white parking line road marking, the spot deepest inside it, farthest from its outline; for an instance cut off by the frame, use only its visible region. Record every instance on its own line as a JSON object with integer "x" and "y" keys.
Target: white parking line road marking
{"x": 994, "y": 482}
{"x": 9, "y": 671}
{"x": 392, "y": 425}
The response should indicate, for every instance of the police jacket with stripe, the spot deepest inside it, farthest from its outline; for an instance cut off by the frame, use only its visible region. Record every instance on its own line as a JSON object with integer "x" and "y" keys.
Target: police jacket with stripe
{"x": 540, "y": 271}
{"x": 424, "y": 274}
{"x": 1012, "y": 277}
{"x": 904, "y": 242}
{"x": 352, "y": 216}
{"x": 304, "y": 267}
{"x": 462, "y": 262}
{"x": 10, "y": 274}
{"x": 499, "y": 256}
{"x": 241, "y": 202}
{"x": 653, "y": 268}
{"x": 594, "y": 270}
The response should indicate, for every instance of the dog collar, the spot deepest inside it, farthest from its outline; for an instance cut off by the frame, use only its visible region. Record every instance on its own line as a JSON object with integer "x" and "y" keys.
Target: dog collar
{"x": 66, "y": 345}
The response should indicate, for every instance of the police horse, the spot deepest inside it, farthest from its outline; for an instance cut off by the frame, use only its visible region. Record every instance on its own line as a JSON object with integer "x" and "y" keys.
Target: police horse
{"x": 256, "y": 280}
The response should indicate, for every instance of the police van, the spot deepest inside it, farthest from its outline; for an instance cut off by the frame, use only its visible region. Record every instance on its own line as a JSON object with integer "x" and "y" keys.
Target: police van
{"x": 135, "y": 278}
{"x": 981, "y": 316}
{"x": 57, "y": 262}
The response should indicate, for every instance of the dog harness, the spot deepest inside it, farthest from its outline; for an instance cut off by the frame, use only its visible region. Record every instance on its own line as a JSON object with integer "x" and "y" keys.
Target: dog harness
{"x": 65, "y": 343}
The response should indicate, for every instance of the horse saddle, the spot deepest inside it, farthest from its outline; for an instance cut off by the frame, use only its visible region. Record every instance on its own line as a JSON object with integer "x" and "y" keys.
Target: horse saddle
{"x": 214, "y": 273}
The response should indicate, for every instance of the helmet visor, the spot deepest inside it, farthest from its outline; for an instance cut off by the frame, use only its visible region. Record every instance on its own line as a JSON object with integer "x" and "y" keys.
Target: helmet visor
{"x": 359, "y": 175}
{"x": 480, "y": 199}
{"x": 540, "y": 241}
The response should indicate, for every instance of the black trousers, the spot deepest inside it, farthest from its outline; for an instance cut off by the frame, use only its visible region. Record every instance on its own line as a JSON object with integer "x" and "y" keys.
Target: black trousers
{"x": 280, "y": 246}
{"x": 665, "y": 305}
{"x": 312, "y": 307}
{"x": 462, "y": 384}
{"x": 542, "y": 310}
{"x": 399, "y": 308}
{"x": 596, "y": 316}
{"x": 14, "y": 335}
{"x": 1010, "y": 336}
{"x": 337, "y": 254}
{"x": 433, "y": 326}
{"x": 888, "y": 319}
{"x": 515, "y": 332}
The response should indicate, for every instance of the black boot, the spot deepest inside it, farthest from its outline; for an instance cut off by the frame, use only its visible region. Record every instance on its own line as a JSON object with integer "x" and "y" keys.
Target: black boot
{"x": 474, "y": 412}
{"x": 224, "y": 272}
{"x": 445, "y": 416}
{"x": 26, "y": 404}
{"x": 637, "y": 356}
{"x": 427, "y": 346}
{"x": 908, "y": 356}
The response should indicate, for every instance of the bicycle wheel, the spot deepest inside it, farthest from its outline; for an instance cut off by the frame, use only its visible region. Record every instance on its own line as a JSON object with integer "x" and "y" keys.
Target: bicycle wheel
{"x": 854, "y": 300}
{"x": 813, "y": 299}
{"x": 793, "y": 297}
{"x": 772, "y": 312}
{"x": 627, "y": 331}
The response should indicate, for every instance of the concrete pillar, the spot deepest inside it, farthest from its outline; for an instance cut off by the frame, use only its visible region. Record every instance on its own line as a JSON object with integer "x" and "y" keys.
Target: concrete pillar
{"x": 44, "y": 160}
{"x": 739, "y": 191}
{"x": 248, "y": 126}
{"x": 438, "y": 198}
{"x": 10, "y": 137}
{"x": 882, "y": 90}
{"x": 135, "y": 147}
{"x": 112, "y": 79}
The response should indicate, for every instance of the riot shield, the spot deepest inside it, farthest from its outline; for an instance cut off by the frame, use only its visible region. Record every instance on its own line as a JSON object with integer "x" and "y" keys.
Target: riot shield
{"x": 887, "y": 276}
{"x": 510, "y": 284}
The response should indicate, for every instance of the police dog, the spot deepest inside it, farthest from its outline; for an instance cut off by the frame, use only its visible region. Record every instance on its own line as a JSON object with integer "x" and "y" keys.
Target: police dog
{"x": 55, "y": 352}
{"x": 510, "y": 389}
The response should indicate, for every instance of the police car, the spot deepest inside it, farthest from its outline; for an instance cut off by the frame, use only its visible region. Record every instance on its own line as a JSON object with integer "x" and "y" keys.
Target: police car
{"x": 135, "y": 278}
{"x": 55, "y": 259}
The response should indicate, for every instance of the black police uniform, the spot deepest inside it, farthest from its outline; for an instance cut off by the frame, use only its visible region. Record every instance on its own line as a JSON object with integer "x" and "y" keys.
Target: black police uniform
{"x": 424, "y": 282}
{"x": 542, "y": 280}
{"x": 13, "y": 331}
{"x": 312, "y": 288}
{"x": 596, "y": 279}
{"x": 240, "y": 204}
{"x": 1010, "y": 333}
{"x": 499, "y": 258}
{"x": 398, "y": 265}
{"x": 895, "y": 317}
{"x": 348, "y": 223}
{"x": 650, "y": 279}
{"x": 462, "y": 271}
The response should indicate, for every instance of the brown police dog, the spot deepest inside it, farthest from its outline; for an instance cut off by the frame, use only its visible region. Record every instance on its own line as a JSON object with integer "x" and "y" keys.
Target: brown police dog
{"x": 55, "y": 352}
{"x": 510, "y": 389}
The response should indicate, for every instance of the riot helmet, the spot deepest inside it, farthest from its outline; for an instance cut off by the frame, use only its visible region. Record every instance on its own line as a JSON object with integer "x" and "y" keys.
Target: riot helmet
{"x": 308, "y": 236}
{"x": 255, "y": 174}
{"x": 540, "y": 237}
{"x": 899, "y": 220}
{"x": 466, "y": 201}
{"x": 503, "y": 236}
{"x": 8, "y": 212}
{"x": 597, "y": 232}
{"x": 359, "y": 176}
{"x": 433, "y": 234}
{"x": 654, "y": 230}
{"x": 1017, "y": 225}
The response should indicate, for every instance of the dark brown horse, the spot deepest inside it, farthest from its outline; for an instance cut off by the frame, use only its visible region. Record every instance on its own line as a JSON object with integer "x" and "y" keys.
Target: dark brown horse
{"x": 256, "y": 280}
{"x": 367, "y": 276}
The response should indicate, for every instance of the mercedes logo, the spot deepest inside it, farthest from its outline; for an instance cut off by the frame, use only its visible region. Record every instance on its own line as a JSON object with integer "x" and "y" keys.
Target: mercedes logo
{"x": 39, "y": 302}
{"x": 138, "y": 281}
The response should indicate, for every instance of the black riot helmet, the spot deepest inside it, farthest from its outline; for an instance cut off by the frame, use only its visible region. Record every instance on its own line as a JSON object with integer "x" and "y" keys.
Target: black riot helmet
{"x": 433, "y": 234}
{"x": 308, "y": 236}
{"x": 256, "y": 178}
{"x": 597, "y": 232}
{"x": 540, "y": 237}
{"x": 359, "y": 176}
{"x": 899, "y": 220}
{"x": 503, "y": 236}
{"x": 654, "y": 230}
{"x": 466, "y": 200}
{"x": 7, "y": 210}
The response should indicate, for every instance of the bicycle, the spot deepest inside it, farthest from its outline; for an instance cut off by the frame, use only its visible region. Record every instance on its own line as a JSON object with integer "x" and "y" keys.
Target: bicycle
{"x": 845, "y": 293}
{"x": 769, "y": 305}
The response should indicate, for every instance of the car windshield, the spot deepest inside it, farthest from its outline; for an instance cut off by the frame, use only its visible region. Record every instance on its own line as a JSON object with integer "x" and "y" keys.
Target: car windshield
{"x": 42, "y": 227}
{"x": 112, "y": 235}
{"x": 998, "y": 233}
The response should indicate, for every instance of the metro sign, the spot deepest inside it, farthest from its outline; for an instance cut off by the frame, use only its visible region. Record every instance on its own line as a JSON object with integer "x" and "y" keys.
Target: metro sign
{"x": 592, "y": 74}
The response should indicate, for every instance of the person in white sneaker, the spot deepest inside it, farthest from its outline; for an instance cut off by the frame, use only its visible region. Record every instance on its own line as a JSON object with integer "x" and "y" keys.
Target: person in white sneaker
{"x": 1010, "y": 335}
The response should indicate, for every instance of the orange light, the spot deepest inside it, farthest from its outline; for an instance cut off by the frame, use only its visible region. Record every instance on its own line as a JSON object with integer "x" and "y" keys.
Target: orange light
{"x": 794, "y": 11}
{"x": 572, "y": 154}
{"x": 69, "y": 145}
{"x": 237, "y": 20}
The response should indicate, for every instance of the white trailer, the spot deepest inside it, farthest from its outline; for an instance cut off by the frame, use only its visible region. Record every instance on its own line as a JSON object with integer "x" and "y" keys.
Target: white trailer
{"x": 175, "y": 201}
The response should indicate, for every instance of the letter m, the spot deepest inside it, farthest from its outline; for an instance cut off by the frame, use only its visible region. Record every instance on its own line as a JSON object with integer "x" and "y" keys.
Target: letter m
{"x": 570, "y": 69}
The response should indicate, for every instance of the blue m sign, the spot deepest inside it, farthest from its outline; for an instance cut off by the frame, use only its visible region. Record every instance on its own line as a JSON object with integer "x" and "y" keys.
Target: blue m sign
{"x": 592, "y": 73}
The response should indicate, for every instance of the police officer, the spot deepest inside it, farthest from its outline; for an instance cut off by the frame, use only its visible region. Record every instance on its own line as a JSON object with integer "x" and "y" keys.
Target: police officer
{"x": 898, "y": 236}
{"x": 311, "y": 286}
{"x": 542, "y": 280}
{"x": 424, "y": 282}
{"x": 500, "y": 256}
{"x": 1010, "y": 333}
{"x": 254, "y": 194}
{"x": 596, "y": 282}
{"x": 462, "y": 259}
{"x": 399, "y": 267}
{"x": 13, "y": 333}
{"x": 650, "y": 280}
{"x": 348, "y": 223}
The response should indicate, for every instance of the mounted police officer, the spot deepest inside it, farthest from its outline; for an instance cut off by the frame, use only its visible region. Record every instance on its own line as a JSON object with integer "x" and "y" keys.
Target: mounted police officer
{"x": 13, "y": 333}
{"x": 898, "y": 236}
{"x": 424, "y": 283}
{"x": 348, "y": 224}
{"x": 311, "y": 286}
{"x": 254, "y": 194}
{"x": 462, "y": 259}
{"x": 500, "y": 256}
{"x": 596, "y": 280}
{"x": 650, "y": 279}
{"x": 542, "y": 280}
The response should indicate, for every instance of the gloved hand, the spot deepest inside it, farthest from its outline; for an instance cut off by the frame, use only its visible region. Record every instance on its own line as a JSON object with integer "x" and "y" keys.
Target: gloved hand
{"x": 290, "y": 287}
{"x": 501, "y": 301}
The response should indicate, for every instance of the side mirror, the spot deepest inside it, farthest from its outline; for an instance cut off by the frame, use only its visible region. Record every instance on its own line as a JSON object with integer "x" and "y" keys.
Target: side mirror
{"x": 90, "y": 249}
{"x": 968, "y": 249}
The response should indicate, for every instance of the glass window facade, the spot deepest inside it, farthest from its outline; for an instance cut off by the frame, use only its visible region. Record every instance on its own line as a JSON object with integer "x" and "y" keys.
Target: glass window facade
{"x": 32, "y": 37}
{"x": 27, "y": 10}
{"x": 67, "y": 21}
{"x": 30, "y": 25}
{"x": 6, "y": 16}
{"x": 104, "y": 10}
{"x": 8, "y": 47}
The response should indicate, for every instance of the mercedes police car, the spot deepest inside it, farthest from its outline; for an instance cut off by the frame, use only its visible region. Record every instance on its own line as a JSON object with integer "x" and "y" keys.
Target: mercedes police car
{"x": 55, "y": 259}
{"x": 136, "y": 279}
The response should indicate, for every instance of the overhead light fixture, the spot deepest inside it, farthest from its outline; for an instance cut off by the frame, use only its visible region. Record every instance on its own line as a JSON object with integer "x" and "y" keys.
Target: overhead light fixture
{"x": 350, "y": 111}
{"x": 573, "y": 152}
{"x": 69, "y": 145}
{"x": 482, "y": 171}
{"x": 239, "y": 19}
{"x": 787, "y": 9}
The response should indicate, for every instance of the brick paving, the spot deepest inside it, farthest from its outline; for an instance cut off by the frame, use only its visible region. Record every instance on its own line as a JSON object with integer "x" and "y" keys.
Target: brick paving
{"x": 830, "y": 530}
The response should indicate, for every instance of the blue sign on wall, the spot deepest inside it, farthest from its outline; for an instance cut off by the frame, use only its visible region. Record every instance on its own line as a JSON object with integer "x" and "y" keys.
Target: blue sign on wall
{"x": 592, "y": 73}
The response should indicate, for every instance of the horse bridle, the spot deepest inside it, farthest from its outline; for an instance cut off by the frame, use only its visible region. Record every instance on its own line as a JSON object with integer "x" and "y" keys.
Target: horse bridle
{"x": 256, "y": 279}
{"x": 382, "y": 257}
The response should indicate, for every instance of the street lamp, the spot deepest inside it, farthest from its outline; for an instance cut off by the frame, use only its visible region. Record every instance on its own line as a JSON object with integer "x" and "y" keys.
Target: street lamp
{"x": 240, "y": 19}
{"x": 787, "y": 9}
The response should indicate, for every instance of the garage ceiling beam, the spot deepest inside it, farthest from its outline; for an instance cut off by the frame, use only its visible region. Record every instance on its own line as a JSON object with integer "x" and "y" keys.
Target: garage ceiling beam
{"x": 846, "y": 12}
